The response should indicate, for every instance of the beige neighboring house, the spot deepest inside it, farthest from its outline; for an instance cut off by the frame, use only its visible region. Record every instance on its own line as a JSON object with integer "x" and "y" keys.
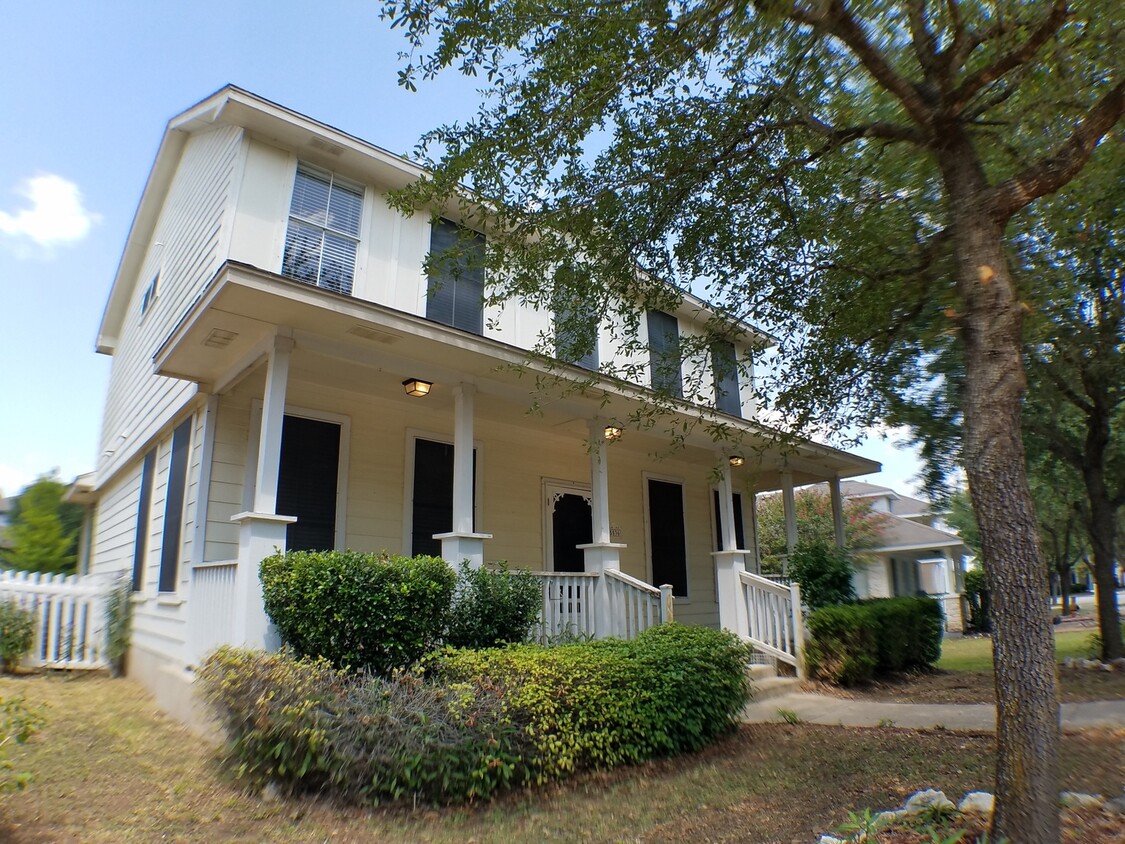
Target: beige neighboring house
{"x": 916, "y": 554}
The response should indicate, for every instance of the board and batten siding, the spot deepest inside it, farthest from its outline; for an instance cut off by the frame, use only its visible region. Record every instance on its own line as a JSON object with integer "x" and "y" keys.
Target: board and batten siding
{"x": 186, "y": 250}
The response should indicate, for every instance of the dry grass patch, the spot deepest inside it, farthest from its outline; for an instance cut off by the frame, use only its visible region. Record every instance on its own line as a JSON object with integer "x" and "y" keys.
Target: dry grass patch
{"x": 110, "y": 768}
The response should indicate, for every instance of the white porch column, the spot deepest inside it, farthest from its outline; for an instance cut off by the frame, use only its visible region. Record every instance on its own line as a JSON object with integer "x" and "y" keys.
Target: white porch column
{"x": 730, "y": 560}
{"x": 837, "y": 511}
{"x": 790, "y": 506}
{"x": 261, "y": 531}
{"x": 462, "y": 543}
{"x": 601, "y": 555}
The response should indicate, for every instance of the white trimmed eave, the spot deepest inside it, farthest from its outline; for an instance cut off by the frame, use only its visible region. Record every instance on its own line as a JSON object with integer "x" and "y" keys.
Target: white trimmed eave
{"x": 928, "y": 546}
{"x": 226, "y": 332}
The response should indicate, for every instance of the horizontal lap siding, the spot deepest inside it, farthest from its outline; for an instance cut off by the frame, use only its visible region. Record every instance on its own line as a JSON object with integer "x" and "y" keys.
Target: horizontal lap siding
{"x": 186, "y": 250}
{"x": 116, "y": 525}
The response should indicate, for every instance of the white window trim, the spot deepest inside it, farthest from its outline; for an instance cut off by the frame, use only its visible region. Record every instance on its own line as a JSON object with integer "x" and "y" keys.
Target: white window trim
{"x": 363, "y": 239}
{"x": 671, "y": 479}
{"x": 413, "y": 434}
{"x": 253, "y": 441}
{"x": 549, "y": 487}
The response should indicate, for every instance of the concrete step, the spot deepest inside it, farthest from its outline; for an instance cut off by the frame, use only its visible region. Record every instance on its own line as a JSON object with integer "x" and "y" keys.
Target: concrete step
{"x": 760, "y": 672}
{"x": 771, "y": 687}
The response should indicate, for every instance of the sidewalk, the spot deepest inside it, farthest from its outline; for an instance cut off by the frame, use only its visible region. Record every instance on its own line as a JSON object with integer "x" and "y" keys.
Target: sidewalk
{"x": 821, "y": 709}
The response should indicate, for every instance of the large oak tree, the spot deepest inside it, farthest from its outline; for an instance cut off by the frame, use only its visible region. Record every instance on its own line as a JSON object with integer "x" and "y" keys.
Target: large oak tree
{"x": 849, "y": 174}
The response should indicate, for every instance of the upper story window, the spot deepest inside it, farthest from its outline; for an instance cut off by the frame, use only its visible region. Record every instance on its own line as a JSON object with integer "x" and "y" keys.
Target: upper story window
{"x": 576, "y": 330}
{"x": 149, "y": 295}
{"x": 323, "y": 235}
{"x": 455, "y": 289}
{"x": 664, "y": 353}
{"x": 724, "y": 366}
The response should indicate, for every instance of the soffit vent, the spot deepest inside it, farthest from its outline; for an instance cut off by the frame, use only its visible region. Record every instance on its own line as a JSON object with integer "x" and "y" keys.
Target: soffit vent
{"x": 219, "y": 338}
{"x": 326, "y": 147}
{"x": 372, "y": 334}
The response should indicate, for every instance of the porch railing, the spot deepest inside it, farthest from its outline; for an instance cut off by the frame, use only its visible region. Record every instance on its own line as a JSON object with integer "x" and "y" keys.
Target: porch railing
{"x": 211, "y": 609}
{"x": 568, "y": 606}
{"x": 581, "y": 605}
{"x": 775, "y": 625}
{"x": 635, "y": 606}
{"x": 70, "y": 616}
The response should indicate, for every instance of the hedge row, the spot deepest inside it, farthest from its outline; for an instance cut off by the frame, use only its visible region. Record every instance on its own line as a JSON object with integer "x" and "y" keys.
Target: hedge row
{"x": 851, "y": 643}
{"x": 380, "y": 612}
{"x": 482, "y": 722}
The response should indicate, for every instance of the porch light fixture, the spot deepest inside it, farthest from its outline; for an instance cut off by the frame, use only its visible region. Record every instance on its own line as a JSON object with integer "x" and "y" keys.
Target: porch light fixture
{"x": 612, "y": 433}
{"x": 737, "y": 460}
{"x": 417, "y": 387}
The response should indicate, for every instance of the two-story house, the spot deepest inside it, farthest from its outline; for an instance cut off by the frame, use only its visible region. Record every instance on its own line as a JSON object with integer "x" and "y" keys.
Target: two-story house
{"x": 285, "y": 374}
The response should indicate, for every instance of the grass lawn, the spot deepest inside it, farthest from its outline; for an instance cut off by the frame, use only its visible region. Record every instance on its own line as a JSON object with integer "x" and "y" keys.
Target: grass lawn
{"x": 975, "y": 653}
{"x": 110, "y": 768}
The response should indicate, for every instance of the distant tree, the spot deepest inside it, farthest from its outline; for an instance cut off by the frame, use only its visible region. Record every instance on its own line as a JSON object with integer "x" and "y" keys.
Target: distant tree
{"x": 43, "y": 529}
{"x": 960, "y": 517}
{"x": 814, "y": 525}
{"x": 1062, "y": 511}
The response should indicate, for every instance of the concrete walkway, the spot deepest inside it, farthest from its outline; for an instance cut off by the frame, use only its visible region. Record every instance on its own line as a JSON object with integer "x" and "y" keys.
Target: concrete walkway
{"x": 821, "y": 709}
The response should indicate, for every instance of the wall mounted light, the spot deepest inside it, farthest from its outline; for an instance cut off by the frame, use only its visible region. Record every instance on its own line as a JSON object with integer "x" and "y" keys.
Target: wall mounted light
{"x": 737, "y": 460}
{"x": 612, "y": 433}
{"x": 417, "y": 387}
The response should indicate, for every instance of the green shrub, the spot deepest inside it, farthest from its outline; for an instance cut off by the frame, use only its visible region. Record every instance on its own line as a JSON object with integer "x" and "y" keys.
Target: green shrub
{"x": 493, "y": 607}
{"x": 17, "y": 633}
{"x": 842, "y": 647}
{"x": 274, "y": 710}
{"x": 372, "y": 612}
{"x": 824, "y": 572}
{"x": 980, "y": 605}
{"x": 119, "y": 625}
{"x": 610, "y": 702}
{"x": 406, "y": 737}
{"x": 908, "y": 632}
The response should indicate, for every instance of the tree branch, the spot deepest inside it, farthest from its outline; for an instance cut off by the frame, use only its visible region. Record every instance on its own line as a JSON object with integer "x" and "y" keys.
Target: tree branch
{"x": 1012, "y": 59}
{"x": 1053, "y": 171}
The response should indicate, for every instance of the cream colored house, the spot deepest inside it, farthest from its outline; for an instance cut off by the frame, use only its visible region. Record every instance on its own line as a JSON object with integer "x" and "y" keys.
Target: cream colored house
{"x": 286, "y": 375}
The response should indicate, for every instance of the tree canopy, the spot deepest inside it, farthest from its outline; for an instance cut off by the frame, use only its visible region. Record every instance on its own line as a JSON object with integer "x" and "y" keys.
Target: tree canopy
{"x": 850, "y": 175}
{"x": 43, "y": 529}
{"x": 814, "y": 525}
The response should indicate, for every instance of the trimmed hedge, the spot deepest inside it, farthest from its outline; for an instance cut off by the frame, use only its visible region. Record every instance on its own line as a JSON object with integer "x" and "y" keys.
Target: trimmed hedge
{"x": 17, "y": 634}
{"x": 610, "y": 702}
{"x": 492, "y": 607}
{"x": 374, "y": 612}
{"x": 484, "y": 721}
{"x": 851, "y": 643}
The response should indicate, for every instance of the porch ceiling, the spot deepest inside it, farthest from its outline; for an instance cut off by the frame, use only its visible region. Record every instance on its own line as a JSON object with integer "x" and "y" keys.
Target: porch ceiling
{"x": 354, "y": 345}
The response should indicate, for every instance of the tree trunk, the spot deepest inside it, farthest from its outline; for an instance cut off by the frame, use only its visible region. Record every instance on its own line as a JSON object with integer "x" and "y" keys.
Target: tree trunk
{"x": 1103, "y": 538}
{"x": 1027, "y": 780}
{"x": 1064, "y": 588}
{"x": 1102, "y": 528}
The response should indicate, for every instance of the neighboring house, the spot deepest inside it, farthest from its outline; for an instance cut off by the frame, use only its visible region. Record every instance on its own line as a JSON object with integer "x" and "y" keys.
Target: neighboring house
{"x": 285, "y": 375}
{"x": 916, "y": 555}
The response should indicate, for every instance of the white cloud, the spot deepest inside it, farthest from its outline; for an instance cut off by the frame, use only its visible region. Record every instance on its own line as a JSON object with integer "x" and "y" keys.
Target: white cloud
{"x": 55, "y": 215}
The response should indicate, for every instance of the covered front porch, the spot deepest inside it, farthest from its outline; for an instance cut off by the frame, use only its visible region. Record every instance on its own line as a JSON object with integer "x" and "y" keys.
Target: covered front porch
{"x": 311, "y": 440}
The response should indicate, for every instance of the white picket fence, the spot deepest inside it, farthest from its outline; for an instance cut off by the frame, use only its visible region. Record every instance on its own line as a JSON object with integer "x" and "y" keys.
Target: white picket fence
{"x": 70, "y": 616}
{"x": 635, "y": 606}
{"x": 775, "y": 624}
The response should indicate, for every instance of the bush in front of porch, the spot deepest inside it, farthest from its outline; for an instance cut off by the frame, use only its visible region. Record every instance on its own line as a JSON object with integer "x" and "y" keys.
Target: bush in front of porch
{"x": 482, "y": 721}
{"x": 373, "y": 612}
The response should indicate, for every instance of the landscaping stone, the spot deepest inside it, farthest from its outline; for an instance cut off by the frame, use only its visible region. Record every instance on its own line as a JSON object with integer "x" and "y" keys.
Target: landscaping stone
{"x": 977, "y": 803}
{"x": 1078, "y": 800}
{"x": 1116, "y": 806}
{"x": 921, "y": 801}
{"x": 885, "y": 819}
{"x": 831, "y": 839}
{"x": 1119, "y": 663}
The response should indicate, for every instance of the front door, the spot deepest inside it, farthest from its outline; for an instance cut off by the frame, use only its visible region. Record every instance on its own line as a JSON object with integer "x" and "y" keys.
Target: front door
{"x": 569, "y": 524}
{"x": 307, "y": 481}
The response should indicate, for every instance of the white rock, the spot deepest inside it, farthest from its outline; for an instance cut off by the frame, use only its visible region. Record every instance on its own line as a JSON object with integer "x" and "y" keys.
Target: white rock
{"x": 1119, "y": 663}
{"x": 1068, "y": 662}
{"x": 1093, "y": 664}
{"x": 1116, "y": 806}
{"x": 977, "y": 803}
{"x": 928, "y": 799}
{"x": 1078, "y": 800}
{"x": 885, "y": 819}
{"x": 831, "y": 839}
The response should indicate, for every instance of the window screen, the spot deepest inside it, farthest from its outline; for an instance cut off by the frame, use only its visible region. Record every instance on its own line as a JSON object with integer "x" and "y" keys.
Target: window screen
{"x": 323, "y": 235}
{"x": 664, "y": 353}
{"x": 455, "y": 288}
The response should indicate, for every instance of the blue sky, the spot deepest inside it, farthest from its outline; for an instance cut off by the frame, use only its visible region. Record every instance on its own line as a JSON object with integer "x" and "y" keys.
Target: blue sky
{"x": 87, "y": 91}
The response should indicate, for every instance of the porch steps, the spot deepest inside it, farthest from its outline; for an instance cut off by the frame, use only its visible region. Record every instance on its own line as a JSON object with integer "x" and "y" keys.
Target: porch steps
{"x": 765, "y": 683}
